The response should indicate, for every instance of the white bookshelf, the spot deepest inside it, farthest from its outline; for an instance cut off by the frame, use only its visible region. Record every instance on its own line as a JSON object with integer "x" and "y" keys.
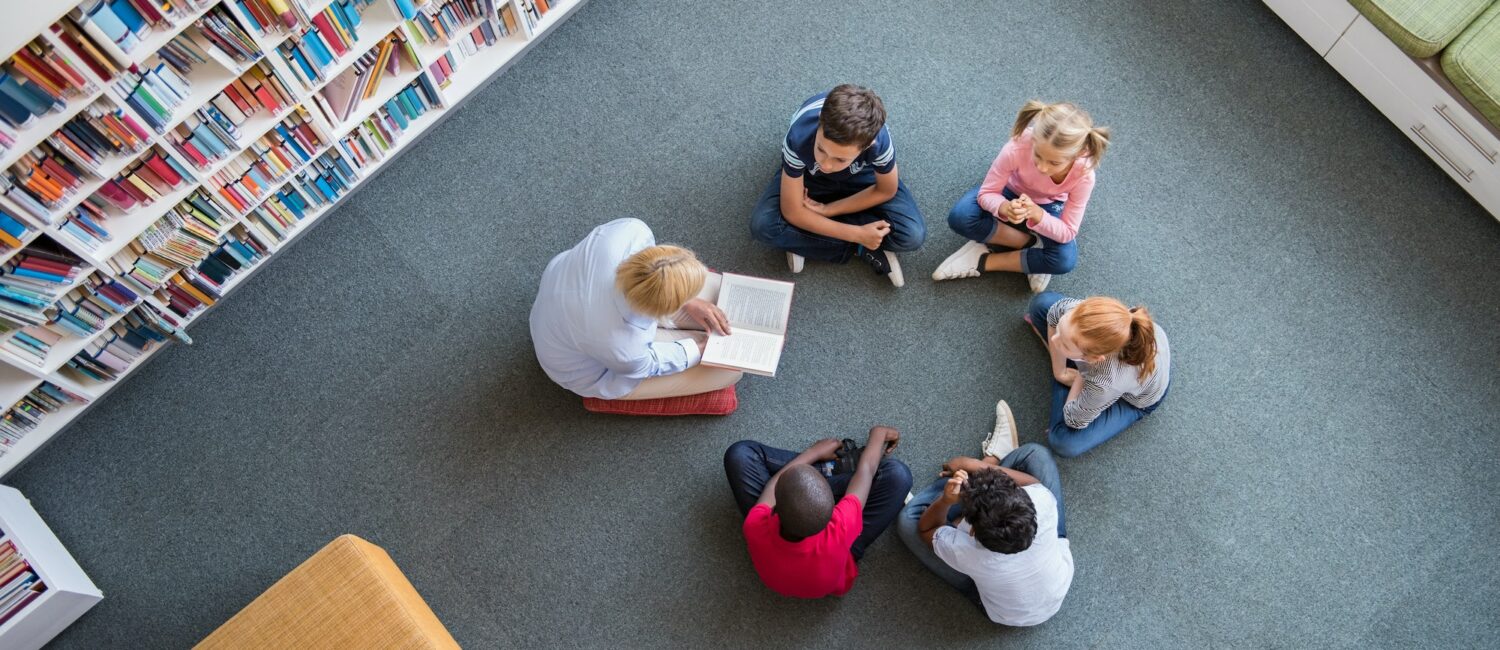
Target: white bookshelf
{"x": 18, "y": 375}
{"x": 69, "y": 592}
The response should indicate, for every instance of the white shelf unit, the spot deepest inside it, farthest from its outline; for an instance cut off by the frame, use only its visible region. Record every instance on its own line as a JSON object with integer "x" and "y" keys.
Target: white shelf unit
{"x": 69, "y": 592}
{"x": 17, "y": 375}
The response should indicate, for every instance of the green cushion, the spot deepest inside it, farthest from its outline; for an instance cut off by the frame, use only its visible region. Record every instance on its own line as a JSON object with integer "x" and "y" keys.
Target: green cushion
{"x": 1421, "y": 28}
{"x": 1472, "y": 63}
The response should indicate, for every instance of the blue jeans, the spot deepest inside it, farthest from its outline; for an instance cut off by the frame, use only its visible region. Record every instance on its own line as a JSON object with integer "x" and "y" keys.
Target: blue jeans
{"x": 749, "y": 465}
{"x": 1030, "y": 458}
{"x": 769, "y": 227}
{"x": 1065, "y": 440}
{"x": 968, "y": 219}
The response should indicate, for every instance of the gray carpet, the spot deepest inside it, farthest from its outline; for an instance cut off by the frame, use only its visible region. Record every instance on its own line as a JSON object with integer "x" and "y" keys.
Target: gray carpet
{"x": 1322, "y": 475}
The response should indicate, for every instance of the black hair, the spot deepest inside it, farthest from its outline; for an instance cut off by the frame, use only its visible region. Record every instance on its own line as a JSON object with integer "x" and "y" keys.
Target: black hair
{"x": 999, "y": 511}
{"x": 804, "y": 502}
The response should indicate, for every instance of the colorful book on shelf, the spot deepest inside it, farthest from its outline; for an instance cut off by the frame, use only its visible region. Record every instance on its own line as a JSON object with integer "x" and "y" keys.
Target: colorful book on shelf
{"x": 13, "y": 232}
{"x": 329, "y": 37}
{"x": 42, "y": 180}
{"x": 20, "y": 419}
{"x": 83, "y": 46}
{"x": 155, "y": 94}
{"x": 37, "y": 80}
{"x": 97, "y": 133}
{"x": 222, "y": 32}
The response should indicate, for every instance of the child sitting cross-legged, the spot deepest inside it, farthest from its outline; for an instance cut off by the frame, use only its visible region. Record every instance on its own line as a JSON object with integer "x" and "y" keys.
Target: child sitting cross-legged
{"x": 810, "y": 516}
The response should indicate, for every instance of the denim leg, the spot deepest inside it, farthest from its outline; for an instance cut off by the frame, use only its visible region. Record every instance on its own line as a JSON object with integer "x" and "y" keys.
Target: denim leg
{"x": 768, "y": 226}
{"x": 887, "y": 493}
{"x": 1052, "y": 258}
{"x": 1035, "y": 460}
{"x": 1069, "y": 442}
{"x": 970, "y": 220}
{"x": 906, "y": 526}
{"x": 1037, "y": 311}
{"x": 749, "y": 465}
{"x": 908, "y": 228}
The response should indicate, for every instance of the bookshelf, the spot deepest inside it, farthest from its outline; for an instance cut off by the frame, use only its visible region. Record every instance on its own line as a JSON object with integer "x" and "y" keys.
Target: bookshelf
{"x": 68, "y": 594}
{"x": 173, "y": 250}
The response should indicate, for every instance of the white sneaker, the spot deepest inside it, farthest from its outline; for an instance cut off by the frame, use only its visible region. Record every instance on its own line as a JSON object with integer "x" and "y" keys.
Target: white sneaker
{"x": 795, "y": 261}
{"x": 1005, "y": 438}
{"x": 897, "y": 278}
{"x": 1038, "y": 281}
{"x": 963, "y": 263}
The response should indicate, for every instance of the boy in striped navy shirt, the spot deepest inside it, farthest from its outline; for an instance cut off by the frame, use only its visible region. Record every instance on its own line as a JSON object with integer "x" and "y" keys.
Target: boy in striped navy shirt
{"x": 838, "y": 195}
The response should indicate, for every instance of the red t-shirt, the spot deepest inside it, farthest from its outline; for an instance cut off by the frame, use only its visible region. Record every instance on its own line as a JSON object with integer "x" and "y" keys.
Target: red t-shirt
{"x": 815, "y": 567}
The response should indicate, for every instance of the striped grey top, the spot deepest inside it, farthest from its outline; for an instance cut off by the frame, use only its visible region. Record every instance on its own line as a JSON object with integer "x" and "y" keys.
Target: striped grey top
{"x": 1112, "y": 379}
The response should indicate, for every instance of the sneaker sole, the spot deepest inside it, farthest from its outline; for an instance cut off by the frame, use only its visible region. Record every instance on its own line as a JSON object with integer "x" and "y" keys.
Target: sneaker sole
{"x": 896, "y": 276}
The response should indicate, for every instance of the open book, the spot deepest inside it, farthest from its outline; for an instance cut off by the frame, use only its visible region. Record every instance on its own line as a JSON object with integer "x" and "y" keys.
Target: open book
{"x": 757, "y": 310}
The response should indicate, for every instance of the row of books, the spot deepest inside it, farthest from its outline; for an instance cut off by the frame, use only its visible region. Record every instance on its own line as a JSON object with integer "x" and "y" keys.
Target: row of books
{"x": 468, "y": 44}
{"x": 212, "y": 132}
{"x": 111, "y": 355}
{"x": 533, "y": 10}
{"x": 33, "y": 281}
{"x": 41, "y": 181}
{"x": 238, "y": 252}
{"x": 13, "y": 232}
{"x": 271, "y": 16}
{"x": 221, "y": 31}
{"x": 37, "y": 80}
{"x": 85, "y": 310}
{"x": 371, "y": 139}
{"x": 101, "y": 131}
{"x": 118, "y": 26}
{"x": 340, "y": 97}
{"x": 179, "y": 238}
{"x": 313, "y": 189}
{"x": 19, "y": 583}
{"x": 88, "y": 52}
{"x": 147, "y": 180}
{"x": 155, "y": 94}
{"x": 268, "y": 161}
{"x": 442, "y": 20}
{"x": 328, "y": 39}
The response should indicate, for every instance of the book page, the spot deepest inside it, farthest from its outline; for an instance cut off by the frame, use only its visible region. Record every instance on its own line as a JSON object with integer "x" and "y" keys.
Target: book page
{"x": 756, "y": 304}
{"x": 751, "y": 351}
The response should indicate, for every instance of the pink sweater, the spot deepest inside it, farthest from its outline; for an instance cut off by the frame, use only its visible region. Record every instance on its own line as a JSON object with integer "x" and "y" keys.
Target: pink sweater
{"x": 1013, "y": 168}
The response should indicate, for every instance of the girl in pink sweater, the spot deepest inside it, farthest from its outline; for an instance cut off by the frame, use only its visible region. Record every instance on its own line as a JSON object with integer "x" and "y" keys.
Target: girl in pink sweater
{"x": 1025, "y": 215}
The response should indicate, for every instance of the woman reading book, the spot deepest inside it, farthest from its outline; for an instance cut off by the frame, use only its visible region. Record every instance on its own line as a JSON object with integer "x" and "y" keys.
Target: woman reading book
{"x": 619, "y": 317}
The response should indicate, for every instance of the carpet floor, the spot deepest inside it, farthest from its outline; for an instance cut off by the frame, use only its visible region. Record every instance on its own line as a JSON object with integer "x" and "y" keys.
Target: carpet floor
{"x": 1322, "y": 475}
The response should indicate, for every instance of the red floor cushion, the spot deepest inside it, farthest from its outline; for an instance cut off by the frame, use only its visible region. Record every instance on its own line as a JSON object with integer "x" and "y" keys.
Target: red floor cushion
{"x": 720, "y": 402}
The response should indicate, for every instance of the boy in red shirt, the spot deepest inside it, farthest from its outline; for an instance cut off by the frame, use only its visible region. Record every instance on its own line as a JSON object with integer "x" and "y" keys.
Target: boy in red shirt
{"x": 810, "y": 516}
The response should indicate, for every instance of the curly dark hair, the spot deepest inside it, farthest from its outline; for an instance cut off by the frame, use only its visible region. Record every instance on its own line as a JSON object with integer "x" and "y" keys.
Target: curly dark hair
{"x": 999, "y": 511}
{"x": 852, "y": 115}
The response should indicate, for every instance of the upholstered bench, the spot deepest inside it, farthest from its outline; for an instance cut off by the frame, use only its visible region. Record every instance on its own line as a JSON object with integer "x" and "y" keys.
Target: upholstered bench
{"x": 1421, "y": 28}
{"x": 348, "y": 595}
{"x": 1472, "y": 63}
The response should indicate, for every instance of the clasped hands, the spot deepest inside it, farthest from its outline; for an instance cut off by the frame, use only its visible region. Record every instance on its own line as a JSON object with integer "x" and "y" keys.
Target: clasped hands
{"x": 1020, "y": 209}
{"x": 871, "y": 235}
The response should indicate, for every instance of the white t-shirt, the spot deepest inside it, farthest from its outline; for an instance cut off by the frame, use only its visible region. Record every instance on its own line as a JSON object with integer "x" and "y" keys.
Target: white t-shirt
{"x": 1020, "y": 589}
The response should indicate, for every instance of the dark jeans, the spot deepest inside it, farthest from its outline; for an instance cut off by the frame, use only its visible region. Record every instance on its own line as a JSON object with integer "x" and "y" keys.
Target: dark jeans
{"x": 749, "y": 465}
{"x": 769, "y": 227}
{"x": 968, "y": 219}
{"x": 1030, "y": 458}
{"x": 1065, "y": 440}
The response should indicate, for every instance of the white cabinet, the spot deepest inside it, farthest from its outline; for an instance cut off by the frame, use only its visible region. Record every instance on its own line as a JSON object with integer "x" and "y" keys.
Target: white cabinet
{"x": 1422, "y": 108}
{"x": 69, "y": 592}
{"x": 1319, "y": 22}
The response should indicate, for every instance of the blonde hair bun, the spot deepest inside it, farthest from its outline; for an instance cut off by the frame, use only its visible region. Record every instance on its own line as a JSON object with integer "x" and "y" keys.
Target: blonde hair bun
{"x": 657, "y": 281}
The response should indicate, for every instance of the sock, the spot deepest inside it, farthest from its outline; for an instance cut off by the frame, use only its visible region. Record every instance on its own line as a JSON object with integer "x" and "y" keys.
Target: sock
{"x": 982, "y": 259}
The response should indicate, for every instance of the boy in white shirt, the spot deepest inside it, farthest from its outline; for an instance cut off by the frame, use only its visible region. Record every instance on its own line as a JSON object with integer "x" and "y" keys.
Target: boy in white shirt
{"x": 993, "y": 528}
